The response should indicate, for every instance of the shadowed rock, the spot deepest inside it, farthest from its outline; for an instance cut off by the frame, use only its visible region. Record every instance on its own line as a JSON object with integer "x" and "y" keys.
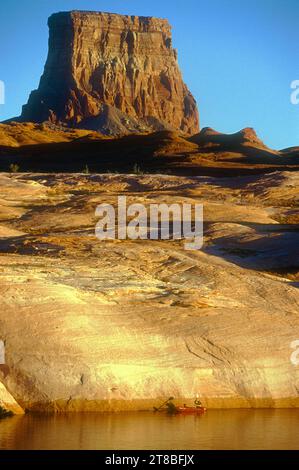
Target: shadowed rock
{"x": 47, "y": 147}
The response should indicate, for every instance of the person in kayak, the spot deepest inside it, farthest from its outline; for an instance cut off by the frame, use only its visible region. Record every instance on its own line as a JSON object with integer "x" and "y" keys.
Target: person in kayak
{"x": 197, "y": 403}
{"x": 171, "y": 408}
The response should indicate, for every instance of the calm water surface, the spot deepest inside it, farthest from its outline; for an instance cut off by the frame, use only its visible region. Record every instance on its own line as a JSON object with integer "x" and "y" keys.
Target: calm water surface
{"x": 227, "y": 429}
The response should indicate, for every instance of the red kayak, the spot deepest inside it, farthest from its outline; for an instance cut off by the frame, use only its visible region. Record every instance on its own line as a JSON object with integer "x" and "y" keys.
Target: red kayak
{"x": 191, "y": 410}
{"x": 170, "y": 408}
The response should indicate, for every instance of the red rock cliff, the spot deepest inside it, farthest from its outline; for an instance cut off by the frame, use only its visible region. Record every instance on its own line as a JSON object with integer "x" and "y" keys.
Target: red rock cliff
{"x": 113, "y": 73}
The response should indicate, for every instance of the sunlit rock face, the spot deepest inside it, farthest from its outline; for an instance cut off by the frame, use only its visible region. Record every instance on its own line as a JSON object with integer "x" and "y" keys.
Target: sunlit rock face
{"x": 112, "y": 73}
{"x": 7, "y": 402}
{"x": 110, "y": 325}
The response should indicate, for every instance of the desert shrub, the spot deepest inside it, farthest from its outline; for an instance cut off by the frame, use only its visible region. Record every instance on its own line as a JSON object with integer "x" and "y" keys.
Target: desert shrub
{"x": 14, "y": 168}
{"x": 137, "y": 170}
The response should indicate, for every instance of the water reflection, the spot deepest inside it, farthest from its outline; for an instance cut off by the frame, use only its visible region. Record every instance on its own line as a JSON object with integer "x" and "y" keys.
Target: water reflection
{"x": 226, "y": 429}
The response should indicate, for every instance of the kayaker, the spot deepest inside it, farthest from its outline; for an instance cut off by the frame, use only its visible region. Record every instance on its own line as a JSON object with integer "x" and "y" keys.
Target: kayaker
{"x": 197, "y": 403}
{"x": 171, "y": 408}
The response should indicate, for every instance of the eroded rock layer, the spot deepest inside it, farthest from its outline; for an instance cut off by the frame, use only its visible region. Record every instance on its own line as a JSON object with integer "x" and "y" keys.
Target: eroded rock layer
{"x": 113, "y": 73}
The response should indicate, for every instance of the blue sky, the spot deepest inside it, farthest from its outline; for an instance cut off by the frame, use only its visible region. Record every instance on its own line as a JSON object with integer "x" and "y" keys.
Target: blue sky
{"x": 238, "y": 57}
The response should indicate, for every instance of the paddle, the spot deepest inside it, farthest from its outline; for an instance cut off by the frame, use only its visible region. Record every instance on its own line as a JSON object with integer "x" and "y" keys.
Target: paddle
{"x": 163, "y": 404}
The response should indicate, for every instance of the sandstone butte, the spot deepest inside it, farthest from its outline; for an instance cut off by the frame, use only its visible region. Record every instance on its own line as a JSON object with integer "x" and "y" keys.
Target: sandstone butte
{"x": 114, "y": 74}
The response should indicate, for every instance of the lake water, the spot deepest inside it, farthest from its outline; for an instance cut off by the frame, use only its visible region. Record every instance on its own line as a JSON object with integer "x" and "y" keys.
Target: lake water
{"x": 221, "y": 430}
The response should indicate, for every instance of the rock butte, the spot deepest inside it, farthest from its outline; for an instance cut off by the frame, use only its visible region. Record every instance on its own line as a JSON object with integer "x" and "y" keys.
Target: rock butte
{"x": 114, "y": 74}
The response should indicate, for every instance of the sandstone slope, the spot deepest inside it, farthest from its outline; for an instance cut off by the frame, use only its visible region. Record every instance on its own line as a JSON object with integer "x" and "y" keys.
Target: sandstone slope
{"x": 112, "y": 325}
{"x": 46, "y": 148}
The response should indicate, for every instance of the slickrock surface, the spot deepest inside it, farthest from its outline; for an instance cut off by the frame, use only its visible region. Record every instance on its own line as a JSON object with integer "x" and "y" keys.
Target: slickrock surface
{"x": 113, "y": 325}
{"x": 112, "y": 73}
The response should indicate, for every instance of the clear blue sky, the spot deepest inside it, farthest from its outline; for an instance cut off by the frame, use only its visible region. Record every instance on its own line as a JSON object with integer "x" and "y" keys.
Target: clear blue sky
{"x": 238, "y": 56}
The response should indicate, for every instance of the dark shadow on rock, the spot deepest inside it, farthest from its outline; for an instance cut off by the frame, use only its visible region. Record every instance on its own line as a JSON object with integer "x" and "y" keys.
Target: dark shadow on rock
{"x": 159, "y": 152}
{"x": 28, "y": 245}
{"x": 273, "y": 248}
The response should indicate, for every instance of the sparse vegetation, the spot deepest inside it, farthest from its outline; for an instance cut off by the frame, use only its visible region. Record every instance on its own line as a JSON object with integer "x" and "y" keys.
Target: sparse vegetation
{"x": 137, "y": 170}
{"x": 14, "y": 168}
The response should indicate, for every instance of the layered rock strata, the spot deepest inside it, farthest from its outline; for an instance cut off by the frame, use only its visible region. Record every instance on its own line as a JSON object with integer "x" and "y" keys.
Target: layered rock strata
{"x": 112, "y": 73}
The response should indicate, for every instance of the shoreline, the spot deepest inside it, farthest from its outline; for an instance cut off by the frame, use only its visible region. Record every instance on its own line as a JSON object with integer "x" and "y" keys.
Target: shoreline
{"x": 143, "y": 405}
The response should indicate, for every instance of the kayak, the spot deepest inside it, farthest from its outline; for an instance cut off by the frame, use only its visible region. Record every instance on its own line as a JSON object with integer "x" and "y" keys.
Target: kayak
{"x": 170, "y": 408}
{"x": 191, "y": 410}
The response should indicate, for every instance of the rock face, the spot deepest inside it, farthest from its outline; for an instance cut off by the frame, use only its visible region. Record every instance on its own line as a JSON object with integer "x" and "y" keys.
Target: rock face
{"x": 110, "y": 325}
{"x": 7, "y": 403}
{"x": 112, "y": 73}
